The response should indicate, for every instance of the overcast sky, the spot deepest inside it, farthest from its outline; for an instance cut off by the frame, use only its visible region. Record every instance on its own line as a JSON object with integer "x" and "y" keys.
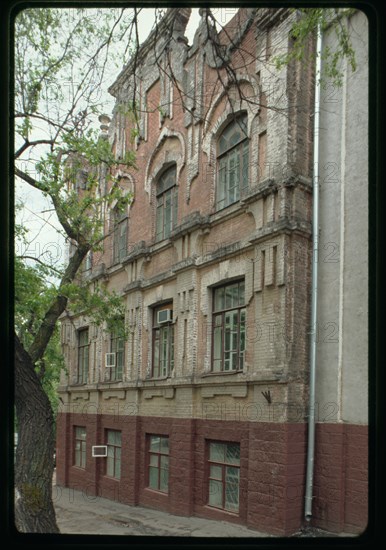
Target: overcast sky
{"x": 37, "y": 216}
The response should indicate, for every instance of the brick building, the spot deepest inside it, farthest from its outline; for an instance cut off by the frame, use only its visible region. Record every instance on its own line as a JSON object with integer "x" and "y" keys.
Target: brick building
{"x": 202, "y": 408}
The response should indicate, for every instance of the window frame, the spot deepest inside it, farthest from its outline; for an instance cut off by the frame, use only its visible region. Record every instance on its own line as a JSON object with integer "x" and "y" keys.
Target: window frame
{"x": 115, "y": 373}
{"x": 216, "y": 313}
{"x": 83, "y": 366}
{"x": 239, "y": 153}
{"x": 168, "y": 328}
{"x": 83, "y": 447}
{"x": 166, "y": 190}
{"x": 114, "y": 447}
{"x": 120, "y": 232}
{"x": 159, "y": 454}
{"x": 223, "y": 481}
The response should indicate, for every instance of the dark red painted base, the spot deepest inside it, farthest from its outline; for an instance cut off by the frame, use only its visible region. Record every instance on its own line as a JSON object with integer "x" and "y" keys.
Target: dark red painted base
{"x": 272, "y": 469}
{"x": 341, "y": 478}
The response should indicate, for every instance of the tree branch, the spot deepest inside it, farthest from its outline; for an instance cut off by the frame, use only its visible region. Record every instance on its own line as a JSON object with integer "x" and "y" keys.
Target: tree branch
{"x": 40, "y": 262}
{"x": 28, "y": 143}
{"x": 58, "y": 305}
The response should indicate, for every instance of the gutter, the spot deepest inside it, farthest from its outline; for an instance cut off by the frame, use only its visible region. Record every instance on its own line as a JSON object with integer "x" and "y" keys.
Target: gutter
{"x": 314, "y": 288}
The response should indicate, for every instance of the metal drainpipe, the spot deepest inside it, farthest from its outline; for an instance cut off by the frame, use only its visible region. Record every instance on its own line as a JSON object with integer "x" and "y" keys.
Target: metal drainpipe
{"x": 314, "y": 290}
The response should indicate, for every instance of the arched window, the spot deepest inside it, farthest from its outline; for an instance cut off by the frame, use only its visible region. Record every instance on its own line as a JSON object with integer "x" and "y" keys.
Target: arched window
{"x": 167, "y": 198}
{"x": 232, "y": 162}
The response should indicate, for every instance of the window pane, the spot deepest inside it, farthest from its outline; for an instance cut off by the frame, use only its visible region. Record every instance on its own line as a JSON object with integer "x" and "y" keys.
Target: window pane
{"x": 232, "y": 496}
{"x": 241, "y": 293}
{"x": 227, "y": 346}
{"x": 227, "y": 362}
{"x": 175, "y": 206}
{"x": 219, "y": 299}
{"x": 155, "y": 443}
{"x": 110, "y": 465}
{"x": 217, "y": 452}
{"x": 164, "y": 462}
{"x": 117, "y": 473}
{"x": 165, "y": 445}
{"x": 232, "y": 454}
{"x": 156, "y": 353}
{"x": 215, "y": 472}
{"x": 217, "y": 343}
{"x": 110, "y": 437}
{"x": 222, "y": 183}
{"x": 164, "y": 480}
{"x": 245, "y": 170}
{"x": 153, "y": 477}
{"x": 167, "y": 213}
{"x": 171, "y": 352}
{"x": 242, "y": 330}
{"x": 228, "y": 297}
{"x": 160, "y": 222}
{"x": 217, "y": 364}
{"x": 153, "y": 460}
{"x": 215, "y": 493}
{"x": 80, "y": 433}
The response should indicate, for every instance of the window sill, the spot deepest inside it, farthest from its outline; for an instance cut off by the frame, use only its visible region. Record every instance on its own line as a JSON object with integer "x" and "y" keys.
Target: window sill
{"x": 156, "y": 492}
{"x": 222, "y": 511}
{"x": 222, "y": 373}
{"x": 105, "y": 476}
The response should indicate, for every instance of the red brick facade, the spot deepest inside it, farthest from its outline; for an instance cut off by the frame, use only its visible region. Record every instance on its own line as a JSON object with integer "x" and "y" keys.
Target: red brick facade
{"x": 264, "y": 239}
{"x": 272, "y": 469}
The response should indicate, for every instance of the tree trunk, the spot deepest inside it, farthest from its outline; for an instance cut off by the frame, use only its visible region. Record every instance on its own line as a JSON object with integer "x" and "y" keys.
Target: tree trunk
{"x": 34, "y": 509}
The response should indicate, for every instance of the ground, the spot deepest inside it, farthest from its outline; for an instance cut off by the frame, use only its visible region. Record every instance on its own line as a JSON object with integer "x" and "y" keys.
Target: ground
{"x": 79, "y": 513}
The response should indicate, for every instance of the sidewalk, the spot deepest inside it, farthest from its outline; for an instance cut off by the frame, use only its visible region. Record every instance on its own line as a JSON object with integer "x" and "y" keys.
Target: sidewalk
{"x": 78, "y": 513}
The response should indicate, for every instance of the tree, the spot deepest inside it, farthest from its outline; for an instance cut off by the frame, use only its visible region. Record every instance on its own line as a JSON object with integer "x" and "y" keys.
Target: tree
{"x": 61, "y": 59}
{"x": 54, "y": 142}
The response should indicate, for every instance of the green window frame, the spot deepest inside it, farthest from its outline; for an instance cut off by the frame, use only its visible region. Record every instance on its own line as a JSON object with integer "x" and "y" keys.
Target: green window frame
{"x": 158, "y": 463}
{"x": 232, "y": 162}
{"x": 167, "y": 204}
{"x": 224, "y": 476}
{"x": 229, "y": 327}
{"x": 83, "y": 356}
{"x": 119, "y": 235}
{"x": 80, "y": 446}
{"x": 117, "y": 346}
{"x": 113, "y": 460}
{"x": 163, "y": 345}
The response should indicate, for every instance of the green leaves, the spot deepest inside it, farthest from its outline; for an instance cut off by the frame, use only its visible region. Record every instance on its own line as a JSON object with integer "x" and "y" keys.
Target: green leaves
{"x": 103, "y": 307}
{"x": 330, "y": 20}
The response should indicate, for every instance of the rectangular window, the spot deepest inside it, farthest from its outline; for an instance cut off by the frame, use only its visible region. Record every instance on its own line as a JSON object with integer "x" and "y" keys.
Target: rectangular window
{"x": 229, "y": 326}
{"x": 163, "y": 342}
{"x": 80, "y": 447}
{"x": 113, "y": 460}
{"x": 117, "y": 346}
{"x": 224, "y": 476}
{"x": 83, "y": 356}
{"x": 159, "y": 463}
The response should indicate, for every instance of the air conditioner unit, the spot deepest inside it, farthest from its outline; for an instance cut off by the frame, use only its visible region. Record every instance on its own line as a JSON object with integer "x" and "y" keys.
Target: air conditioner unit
{"x": 110, "y": 360}
{"x": 99, "y": 450}
{"x": 164, "y": 316}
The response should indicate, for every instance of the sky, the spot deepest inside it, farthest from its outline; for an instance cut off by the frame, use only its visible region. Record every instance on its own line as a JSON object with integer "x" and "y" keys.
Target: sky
{"x": 44, "y": 238}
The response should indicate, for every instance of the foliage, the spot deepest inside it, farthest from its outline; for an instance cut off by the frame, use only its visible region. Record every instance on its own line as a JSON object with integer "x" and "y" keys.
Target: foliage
{"x": 32, "y": 297}
{"x": 307, "y": 25}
